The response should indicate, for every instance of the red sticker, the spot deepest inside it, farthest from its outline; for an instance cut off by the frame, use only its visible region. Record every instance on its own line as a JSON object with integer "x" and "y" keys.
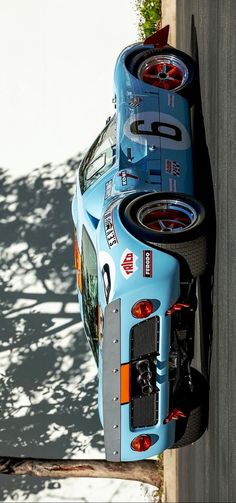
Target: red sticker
{"x": 128, "y": 263}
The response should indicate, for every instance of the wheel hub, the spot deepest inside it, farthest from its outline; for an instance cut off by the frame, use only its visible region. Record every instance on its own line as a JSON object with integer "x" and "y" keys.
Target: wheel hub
{"x": 165, "y": 71}
{"x": 167, "y": 216}
{"x": 162, "y": 75}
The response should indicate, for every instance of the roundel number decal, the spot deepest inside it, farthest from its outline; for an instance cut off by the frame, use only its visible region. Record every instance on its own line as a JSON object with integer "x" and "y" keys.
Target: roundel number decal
{"x": 167, "y": 132}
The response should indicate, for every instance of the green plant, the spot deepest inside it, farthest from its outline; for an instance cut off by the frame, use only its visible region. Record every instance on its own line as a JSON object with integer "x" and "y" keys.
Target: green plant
{"x": 149, "y": 12}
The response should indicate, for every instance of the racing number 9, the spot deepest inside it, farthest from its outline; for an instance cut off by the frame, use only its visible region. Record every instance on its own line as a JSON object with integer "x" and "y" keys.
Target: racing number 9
{"x": 157, "y": 128}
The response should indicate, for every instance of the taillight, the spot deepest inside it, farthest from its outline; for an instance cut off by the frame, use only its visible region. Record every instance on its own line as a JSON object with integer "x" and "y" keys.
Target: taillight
{"x": 141, "y": 443}
{"x": 142, "y": 308}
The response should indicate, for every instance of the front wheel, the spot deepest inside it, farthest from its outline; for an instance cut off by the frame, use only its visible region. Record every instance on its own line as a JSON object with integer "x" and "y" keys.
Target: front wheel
{"x": 168, "y": 69}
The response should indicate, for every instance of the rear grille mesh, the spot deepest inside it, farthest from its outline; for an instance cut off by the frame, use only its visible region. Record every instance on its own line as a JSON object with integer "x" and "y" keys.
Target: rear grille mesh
{"x": 145, "y": 338}
{"x": 144, "y": 410}
{"x": 144, "y": 393}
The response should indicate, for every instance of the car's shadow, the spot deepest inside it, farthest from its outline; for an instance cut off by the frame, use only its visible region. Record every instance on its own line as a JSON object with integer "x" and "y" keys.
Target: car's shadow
{"x": 204, "y": 191}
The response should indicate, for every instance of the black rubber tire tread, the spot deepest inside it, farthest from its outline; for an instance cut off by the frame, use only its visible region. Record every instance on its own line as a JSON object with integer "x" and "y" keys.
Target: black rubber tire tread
{"x": 189, "y": 87}
{"x": 194, "y": 426}
{"x": 194, "y": 252}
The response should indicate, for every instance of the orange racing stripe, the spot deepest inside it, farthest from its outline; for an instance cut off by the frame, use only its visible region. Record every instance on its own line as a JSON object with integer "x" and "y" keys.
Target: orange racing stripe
{"x": 125, "y": 383}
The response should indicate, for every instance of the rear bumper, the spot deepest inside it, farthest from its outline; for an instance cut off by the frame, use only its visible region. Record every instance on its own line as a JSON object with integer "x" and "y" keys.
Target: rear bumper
{"x": 143, "y": 413}
{"x": 111, "y": 382}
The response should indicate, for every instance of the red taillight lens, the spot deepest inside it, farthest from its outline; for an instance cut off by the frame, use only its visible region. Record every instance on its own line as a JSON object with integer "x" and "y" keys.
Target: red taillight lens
{"x": 141, "y": 443}
{"x": 142, "y": 309}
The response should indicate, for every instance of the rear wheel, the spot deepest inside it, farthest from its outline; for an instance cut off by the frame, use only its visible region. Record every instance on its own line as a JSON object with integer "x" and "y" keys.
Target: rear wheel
{"x": 167, "y": 215}
{"x": 172, "y": 222}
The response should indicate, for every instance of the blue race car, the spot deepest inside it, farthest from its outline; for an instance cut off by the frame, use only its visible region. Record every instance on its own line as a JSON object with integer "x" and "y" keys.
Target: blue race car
{"x": 140, "y": 244}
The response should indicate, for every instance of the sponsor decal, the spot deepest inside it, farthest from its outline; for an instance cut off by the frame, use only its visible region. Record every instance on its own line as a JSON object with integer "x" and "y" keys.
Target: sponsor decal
{"x": 128, "y": 263}
{"x": 108, "y": 189}
{"x": 123, "y": 175}
{"x": 109, "y": 229}
{"x": 172, "y": 185}
{"x": 135, "y": 101}
{"x": 147, "y": 263}
{"x": 172, "y": 167}
{"x": 157, "y": 130}
{"x": 171, "y": 100}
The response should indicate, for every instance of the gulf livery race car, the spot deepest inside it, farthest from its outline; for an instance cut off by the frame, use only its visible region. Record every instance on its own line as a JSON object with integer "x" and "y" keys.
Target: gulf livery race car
{"x": 140, "y": 244}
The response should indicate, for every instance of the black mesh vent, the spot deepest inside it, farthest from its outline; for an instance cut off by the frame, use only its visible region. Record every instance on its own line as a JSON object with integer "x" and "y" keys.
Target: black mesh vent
{"x": 145, "y": 338}
{"x": 144, "y": 411}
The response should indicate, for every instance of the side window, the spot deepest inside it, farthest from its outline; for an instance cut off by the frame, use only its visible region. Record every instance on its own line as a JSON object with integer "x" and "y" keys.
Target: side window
{"x": 90, "y": 291}
{"x": 100, "y": 157}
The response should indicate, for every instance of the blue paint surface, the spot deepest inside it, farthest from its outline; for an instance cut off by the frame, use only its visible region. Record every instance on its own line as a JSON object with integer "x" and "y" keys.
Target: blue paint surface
{"x": 145, "y": 162}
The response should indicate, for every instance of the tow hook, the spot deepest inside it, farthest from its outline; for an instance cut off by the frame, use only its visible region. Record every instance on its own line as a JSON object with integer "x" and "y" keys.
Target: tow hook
{"x": 174, "y": 414}
{"x": 177, "y": 307}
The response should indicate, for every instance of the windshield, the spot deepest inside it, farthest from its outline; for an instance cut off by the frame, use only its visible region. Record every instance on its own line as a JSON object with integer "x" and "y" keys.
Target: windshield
{"x": 100, "y": 157}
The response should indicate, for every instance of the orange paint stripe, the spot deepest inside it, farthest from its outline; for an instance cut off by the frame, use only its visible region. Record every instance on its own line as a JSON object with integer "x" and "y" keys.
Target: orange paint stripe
{"x": 125, "y": 383}
{"x": 99, "y": 323}
{"x": 78, "y": 263}
{"x": 75, "y": 251}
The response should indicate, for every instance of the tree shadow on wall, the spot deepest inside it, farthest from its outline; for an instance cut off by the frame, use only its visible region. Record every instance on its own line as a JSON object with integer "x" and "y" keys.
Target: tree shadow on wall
{"x": 47, "y": 401}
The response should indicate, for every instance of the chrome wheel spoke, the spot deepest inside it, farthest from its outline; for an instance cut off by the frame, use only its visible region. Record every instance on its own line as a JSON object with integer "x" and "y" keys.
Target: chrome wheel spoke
{"x": 162, "y": 225}
{"x": 164, "y": 68}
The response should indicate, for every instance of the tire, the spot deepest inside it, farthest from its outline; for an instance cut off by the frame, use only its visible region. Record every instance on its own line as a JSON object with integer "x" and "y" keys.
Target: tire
{"x": 144, "y": 67}
{"x": 165, "y": 217}
{"x": 173, "y": 223}
{"x": 194, "y": 252}
{"x": 190, "y": 429}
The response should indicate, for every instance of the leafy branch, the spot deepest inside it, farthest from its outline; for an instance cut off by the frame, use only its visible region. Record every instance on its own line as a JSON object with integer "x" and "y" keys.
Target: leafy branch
{"x": 149, "y": 12}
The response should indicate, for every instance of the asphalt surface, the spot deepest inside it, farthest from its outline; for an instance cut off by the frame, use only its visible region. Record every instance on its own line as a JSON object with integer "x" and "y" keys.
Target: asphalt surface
{"x": 206, "y": 29}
